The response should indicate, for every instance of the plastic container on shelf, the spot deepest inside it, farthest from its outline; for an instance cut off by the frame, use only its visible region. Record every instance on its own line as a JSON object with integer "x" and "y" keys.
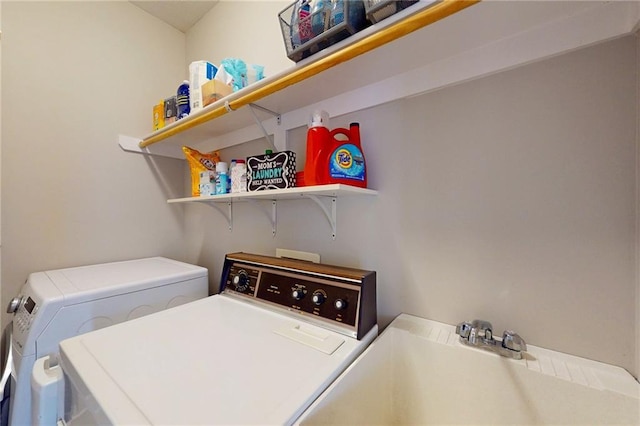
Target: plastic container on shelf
{"x": 346, "y": 163}
{"x": 377, "y": 10}
{"x": 319, "y": 15}
{"x": 318, "y": 141}
{"x": 182, "y": 97}
{"x": 349, "y": 18}
{"x": 337, "y": 13}
{"x": 239, "y": 177}
{"x": 333, "y": 156}
{"x": 222, "y": 178}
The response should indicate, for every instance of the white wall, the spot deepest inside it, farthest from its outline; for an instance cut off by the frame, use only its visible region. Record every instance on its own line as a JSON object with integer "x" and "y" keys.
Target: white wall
{"x": 74, "y": 76}
{"x": 510, "y": 198}
{"x": 637, "y": 253}
{"x": 248, "y": 30}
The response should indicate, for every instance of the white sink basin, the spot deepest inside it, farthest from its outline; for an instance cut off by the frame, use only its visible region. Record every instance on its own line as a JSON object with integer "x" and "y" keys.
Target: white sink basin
{"x": 417, "y": 372}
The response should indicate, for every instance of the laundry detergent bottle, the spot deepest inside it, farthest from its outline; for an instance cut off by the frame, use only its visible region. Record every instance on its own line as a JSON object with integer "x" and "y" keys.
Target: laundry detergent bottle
{"x": 318, "y": 145}
{"x": 346, "y": 163}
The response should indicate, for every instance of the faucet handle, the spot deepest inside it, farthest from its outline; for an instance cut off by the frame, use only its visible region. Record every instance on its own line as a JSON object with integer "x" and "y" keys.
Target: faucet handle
{"x": 464, "y": 329}
{"x": 482, "y": 329}
{"x": 512, "y": 341}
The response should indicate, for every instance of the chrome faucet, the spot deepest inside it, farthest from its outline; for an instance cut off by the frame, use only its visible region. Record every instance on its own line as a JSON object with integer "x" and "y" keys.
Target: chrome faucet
{"x": 479, "y": 333}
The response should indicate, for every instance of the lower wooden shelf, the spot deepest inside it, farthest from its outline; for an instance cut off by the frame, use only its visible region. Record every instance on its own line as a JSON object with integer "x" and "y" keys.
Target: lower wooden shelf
{"x": 319, "y": 194}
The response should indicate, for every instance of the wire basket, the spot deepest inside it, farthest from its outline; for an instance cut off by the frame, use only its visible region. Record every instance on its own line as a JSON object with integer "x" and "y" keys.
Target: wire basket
{"x": 377, "y": 10}
{"x": 307, "y": 28}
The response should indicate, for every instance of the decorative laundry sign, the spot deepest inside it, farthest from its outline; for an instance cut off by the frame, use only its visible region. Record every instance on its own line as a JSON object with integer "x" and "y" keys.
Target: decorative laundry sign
{"x": 271, "y": 171}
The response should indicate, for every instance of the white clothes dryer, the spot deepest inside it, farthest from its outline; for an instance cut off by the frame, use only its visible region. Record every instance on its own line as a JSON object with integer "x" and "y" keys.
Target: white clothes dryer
{"x": 258, "y": 353}
{"x": 58, "y": 304}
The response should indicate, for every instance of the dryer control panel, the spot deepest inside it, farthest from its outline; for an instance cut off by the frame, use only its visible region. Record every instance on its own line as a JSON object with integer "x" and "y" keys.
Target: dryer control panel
{"x": 337, "y": 297}
{"x": 24, "y": 308}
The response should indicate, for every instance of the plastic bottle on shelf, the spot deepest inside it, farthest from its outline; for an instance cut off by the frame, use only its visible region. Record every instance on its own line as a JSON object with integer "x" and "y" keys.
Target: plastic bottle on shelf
{"x": 304, "y": 21}
{"x": 232, "y": 164}
{"x": 184, "y": 107}
{"x": 337, "y": 12}
{"x": 295, "y": 27}
{"x": 318, "y": 139}
{"x": 344, "y": 160}
{"x": 318, "y": 12}
{"x": 239, "y": 177}
{"x": 222, "y": 178}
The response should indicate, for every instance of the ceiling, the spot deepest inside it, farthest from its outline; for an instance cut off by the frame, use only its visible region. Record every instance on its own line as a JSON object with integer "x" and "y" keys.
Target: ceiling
{"x": 180, "y": 14}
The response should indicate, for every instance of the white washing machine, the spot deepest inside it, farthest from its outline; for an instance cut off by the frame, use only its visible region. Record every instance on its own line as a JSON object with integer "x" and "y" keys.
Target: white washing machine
{"x": 55, "y": 305}
{"x": 260, "y": 352}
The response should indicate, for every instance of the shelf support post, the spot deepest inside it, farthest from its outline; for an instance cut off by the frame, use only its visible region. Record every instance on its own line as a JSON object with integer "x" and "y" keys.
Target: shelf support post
{"x": 330, "y": 215}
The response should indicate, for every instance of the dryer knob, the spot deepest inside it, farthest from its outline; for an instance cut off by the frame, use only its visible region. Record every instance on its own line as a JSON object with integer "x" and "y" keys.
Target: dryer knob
{"x": 241, "y": 281}
{"x": 318, "y": 297}
{"x": 340, "y": 304}
{"x": 13, "y": 305}
{"x": 297, "y": 294}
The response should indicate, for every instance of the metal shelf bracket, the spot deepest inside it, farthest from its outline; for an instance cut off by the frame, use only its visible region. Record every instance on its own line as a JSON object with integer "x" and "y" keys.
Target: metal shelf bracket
{"x": 271, "y": 215}
{"x": 227, "y": 215}
{"x": 268, "y": 111}
{"x": 252, "y": 108}
{"x": 330, "y": 215}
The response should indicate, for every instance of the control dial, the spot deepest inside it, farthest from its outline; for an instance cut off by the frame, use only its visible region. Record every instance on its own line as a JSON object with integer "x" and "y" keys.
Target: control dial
{"x": 340, "y": 304}
{"x": 318, "y": 297}
{"x": 14, "y": 305}
{"x": 241, "y": 281}
{"x": 297, "y": 293}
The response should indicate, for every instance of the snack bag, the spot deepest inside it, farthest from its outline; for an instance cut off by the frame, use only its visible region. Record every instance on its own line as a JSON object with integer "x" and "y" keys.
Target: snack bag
{"x": 199, "y": 162}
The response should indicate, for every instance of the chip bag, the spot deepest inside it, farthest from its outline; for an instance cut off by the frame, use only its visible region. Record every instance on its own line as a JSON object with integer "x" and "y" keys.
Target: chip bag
{"x": 199, "y": 162}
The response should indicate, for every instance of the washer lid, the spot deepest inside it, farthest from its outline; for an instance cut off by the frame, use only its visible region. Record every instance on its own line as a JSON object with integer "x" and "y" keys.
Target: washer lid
{"x": 214, "y": 361}
{"x": 88, "y": 282}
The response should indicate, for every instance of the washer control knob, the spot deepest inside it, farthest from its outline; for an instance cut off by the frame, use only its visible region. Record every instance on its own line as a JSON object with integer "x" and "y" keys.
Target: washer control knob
{"x": 340, "y": 304}
{"x": 13, "y": 305}
{"x": 241, "y": 281}
{"x": 297, "y": 293}
{"x": 318, "y": 297}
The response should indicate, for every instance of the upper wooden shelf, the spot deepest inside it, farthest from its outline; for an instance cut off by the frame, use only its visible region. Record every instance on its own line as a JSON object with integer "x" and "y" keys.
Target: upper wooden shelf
{"x": 413, "y": 52}
{"x": 276, "y": 92}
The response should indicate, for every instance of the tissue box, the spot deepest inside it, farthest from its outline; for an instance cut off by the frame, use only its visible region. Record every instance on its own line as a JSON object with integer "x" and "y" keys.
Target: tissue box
{"x": 271, "y": 171}
{"x": 214, "y": 90}
{"x": 199, "y": 73}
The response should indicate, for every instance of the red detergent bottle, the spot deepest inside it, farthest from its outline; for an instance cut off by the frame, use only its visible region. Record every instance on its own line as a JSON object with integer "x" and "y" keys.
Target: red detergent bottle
{"x": 318, "y": 141}
{"x": 344, "y": 161}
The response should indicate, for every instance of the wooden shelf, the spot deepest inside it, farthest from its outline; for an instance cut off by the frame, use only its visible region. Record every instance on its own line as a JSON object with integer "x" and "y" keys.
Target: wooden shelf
{"x": 282, "y": 92}
{"x": 324, "y": 196}
{"x": 356, "y": 45}
{"x": 333, "y": 190}
{"x": 425, "y": 47}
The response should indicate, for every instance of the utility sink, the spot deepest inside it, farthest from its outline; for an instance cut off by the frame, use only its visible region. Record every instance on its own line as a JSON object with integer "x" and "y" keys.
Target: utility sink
{"x": 417, "y": 372}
